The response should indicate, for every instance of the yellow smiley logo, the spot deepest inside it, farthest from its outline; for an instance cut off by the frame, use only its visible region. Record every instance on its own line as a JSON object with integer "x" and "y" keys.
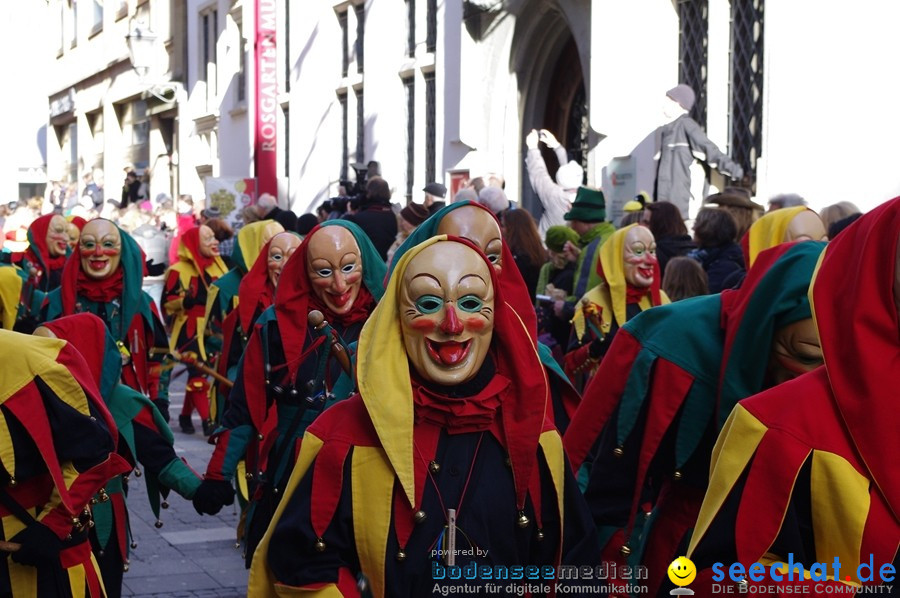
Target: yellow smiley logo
{"x": 682, "y": 571}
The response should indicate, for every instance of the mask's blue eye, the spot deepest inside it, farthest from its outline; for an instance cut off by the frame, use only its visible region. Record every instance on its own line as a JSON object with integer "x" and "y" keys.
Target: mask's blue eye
{"x": 348, "y": 268}
{"x": 470, "y": 303}
{"x": 429, "y": 304}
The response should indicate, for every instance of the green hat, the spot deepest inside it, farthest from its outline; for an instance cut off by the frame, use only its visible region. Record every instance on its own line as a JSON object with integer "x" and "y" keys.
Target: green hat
{"x": 589, "y": 206}
{"x": 556, "y": 236}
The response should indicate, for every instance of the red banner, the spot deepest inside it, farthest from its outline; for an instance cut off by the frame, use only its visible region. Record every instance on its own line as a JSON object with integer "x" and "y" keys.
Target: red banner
{"x": 265, "y": 142}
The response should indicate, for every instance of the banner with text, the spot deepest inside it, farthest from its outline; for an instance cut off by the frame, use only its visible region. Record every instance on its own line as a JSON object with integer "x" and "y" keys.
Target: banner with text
{"x": 265, "y": 142}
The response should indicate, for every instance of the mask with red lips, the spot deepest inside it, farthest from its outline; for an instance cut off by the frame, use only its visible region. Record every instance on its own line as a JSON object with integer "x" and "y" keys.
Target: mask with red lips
{"x": 447, "y": 312}
{"x": 57, "y": 236}
{"x": 209, "y": 245}
{"x": 334, "y": 267}
{"x": 100, "y": 246}
{"x": 281, "y": 247}
{"x": 640, "y": 257}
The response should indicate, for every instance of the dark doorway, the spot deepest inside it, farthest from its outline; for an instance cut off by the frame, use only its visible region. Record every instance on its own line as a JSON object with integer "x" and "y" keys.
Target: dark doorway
{"x": 566, "y": 113}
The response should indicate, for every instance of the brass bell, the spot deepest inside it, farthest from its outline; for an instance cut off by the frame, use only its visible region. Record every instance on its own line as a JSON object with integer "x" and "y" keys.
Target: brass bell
{"x": 523, "y": 521}
{"x": 164, "y": 505}
{"x": 320, "y": 545}
{"x": 401, "y": 555}
{"x": 434, "y": 467}
{"x": 540, "y": 535}
{"x": 677, "y": 475}
{"x": 101, "y": 552}
{"x": 133, "y": 545}
{"x": 618, "y": 451}
{"x": 508, "y": 462}
{"x": 103, "y": 495}
{"x": 126, "y": 566}
{"x": 625, "y": 550}
{"x": 158, "y": 524}
{"x": 248, "y": 475}
{"x": 420, "y": 516}
{"x": 237, "y": 545}
{"x": 137, "y": 473}
{"x": 12, "y": 482}
{"x": 259, "y": 437}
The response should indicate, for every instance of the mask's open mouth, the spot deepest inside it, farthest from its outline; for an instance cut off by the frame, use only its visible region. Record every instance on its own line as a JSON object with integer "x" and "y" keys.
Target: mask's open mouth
{"x": 448, "y": 353}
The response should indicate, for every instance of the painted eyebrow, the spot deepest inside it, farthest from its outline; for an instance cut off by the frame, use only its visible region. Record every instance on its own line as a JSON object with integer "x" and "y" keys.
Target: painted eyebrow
{"x": 471, "y": 276}
{"x": 426, "y": 275}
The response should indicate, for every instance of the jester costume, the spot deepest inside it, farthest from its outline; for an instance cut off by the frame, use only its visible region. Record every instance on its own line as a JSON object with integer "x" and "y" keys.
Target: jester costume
{"x": 57, "y": 450}
{"x": 118, "y": 299}
{"x": 43, "y": 262}
{"x": 478, "y": 224}
{"x": 144, "y": 438}
{"x": 614, "y": 300}
{"x": 649, "y": 417}
{"x": 224, "y": 299}
{"x": 12, "y": 280}
{"x": 377, "y": 473}
{"x": 184, "y": 300}
{"x": 285, "y": 377}
{"x": 808, "y": 468}
{"x": 781, "y": 226}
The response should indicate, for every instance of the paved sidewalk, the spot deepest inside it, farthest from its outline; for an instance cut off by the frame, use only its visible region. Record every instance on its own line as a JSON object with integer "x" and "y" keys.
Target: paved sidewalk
{"x": 190, "y": 555}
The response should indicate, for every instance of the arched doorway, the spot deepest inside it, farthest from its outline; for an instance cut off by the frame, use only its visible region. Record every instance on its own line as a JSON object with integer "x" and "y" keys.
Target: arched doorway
{"x": 566, "y": 112}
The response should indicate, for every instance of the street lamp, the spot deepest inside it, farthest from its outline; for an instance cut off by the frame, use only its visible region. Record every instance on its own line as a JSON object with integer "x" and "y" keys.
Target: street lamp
{"x": 141, "y": 41}
{"x": 141, "y": 45}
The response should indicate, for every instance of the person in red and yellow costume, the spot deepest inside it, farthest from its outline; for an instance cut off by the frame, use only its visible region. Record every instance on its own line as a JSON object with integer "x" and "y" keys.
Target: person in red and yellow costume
{"x": 105, "y": 277}
{"x": 287, "y": 376}
{"x": 144, "y": 438}
{"x": 256, "y": 293}
{"x": 782, "y": 226}
{"x": 649, "y": 418}
{"x": 43, "y": 261}
{"x": 57, "y": 450}
{"x": 807, "y": 472}
{"x": 630, "y": 280}
{"x": 449, "y": 441}
{"x": 184, "y": 301}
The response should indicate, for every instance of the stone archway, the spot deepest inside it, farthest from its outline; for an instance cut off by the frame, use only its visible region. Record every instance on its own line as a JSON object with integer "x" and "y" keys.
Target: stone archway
{"x": 551, "y": 65}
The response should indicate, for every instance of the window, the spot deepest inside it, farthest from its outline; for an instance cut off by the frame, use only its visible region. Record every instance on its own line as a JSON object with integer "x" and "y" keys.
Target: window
{"x": 97, "y": 20}
{"x": 209, "y": 29}
{"x": 345, "y": 136}
{"x": 409, "y": 85}
{"x": 430, "y": 127}
{"x": 62, "y": 27}
{"x": 135, "y": 128}
{"x": 360, "y": 35}
{"x": 345, "y": 43}
{"x": 431, "y": 23}
{"x": 745, "y": 124}
{"x": 95, "y": 123}
{"x": 242, "y": 65}
{"x": 410, "y": 27}
{"x": 73, "y": 23}
{"x": 693, "y": 47}
{"x": 70, "y": 143}
{"x": 360, "y": 128}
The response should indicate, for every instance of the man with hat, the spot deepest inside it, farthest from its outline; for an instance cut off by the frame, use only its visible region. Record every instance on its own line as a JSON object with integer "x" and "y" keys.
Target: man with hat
{"x": 587, "y": 218}
{"x": 736, "y": 201}
{"x": 434, "y": 197}
{"x": 679, "y": 142}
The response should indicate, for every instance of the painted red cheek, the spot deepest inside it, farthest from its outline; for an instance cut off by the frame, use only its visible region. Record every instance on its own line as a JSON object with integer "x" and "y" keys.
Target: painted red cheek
{"x": 422, "y": 324}
{"x": 353, "y": 278}
{"x": 109, "y": 252}
{"x": 475, "y": 324}
{"x": 322, "y": 283}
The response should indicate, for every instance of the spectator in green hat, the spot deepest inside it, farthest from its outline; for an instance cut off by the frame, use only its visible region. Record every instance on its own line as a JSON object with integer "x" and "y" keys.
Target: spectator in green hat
{"x": 588, "y": 219}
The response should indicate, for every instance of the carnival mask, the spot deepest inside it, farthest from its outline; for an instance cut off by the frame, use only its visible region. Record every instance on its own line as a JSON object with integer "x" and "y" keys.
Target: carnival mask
{"x": 795, "y": 351}
{"x": 73, "y": 233}
{"x": 805, "y": 226}
{"x": 209, "y": 245}
{"x": 334, "y": 267}
{"x": 447, "y": 312}
{"x": 479, "y": 227}
{"x": 44, "y": 332}
{"x": 58, "y": 236}
{"x": 100, "y": 246}
{"x": 281, "y": 248}
{"x": 640, "y": 257}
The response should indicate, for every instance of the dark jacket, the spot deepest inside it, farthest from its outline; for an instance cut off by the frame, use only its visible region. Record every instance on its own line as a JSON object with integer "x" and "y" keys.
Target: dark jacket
{"x": 720, "y": 263}
{"x": 672, "y": 246}
{"x": 679, "y": 142}
{"x": 379, "y": 222}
